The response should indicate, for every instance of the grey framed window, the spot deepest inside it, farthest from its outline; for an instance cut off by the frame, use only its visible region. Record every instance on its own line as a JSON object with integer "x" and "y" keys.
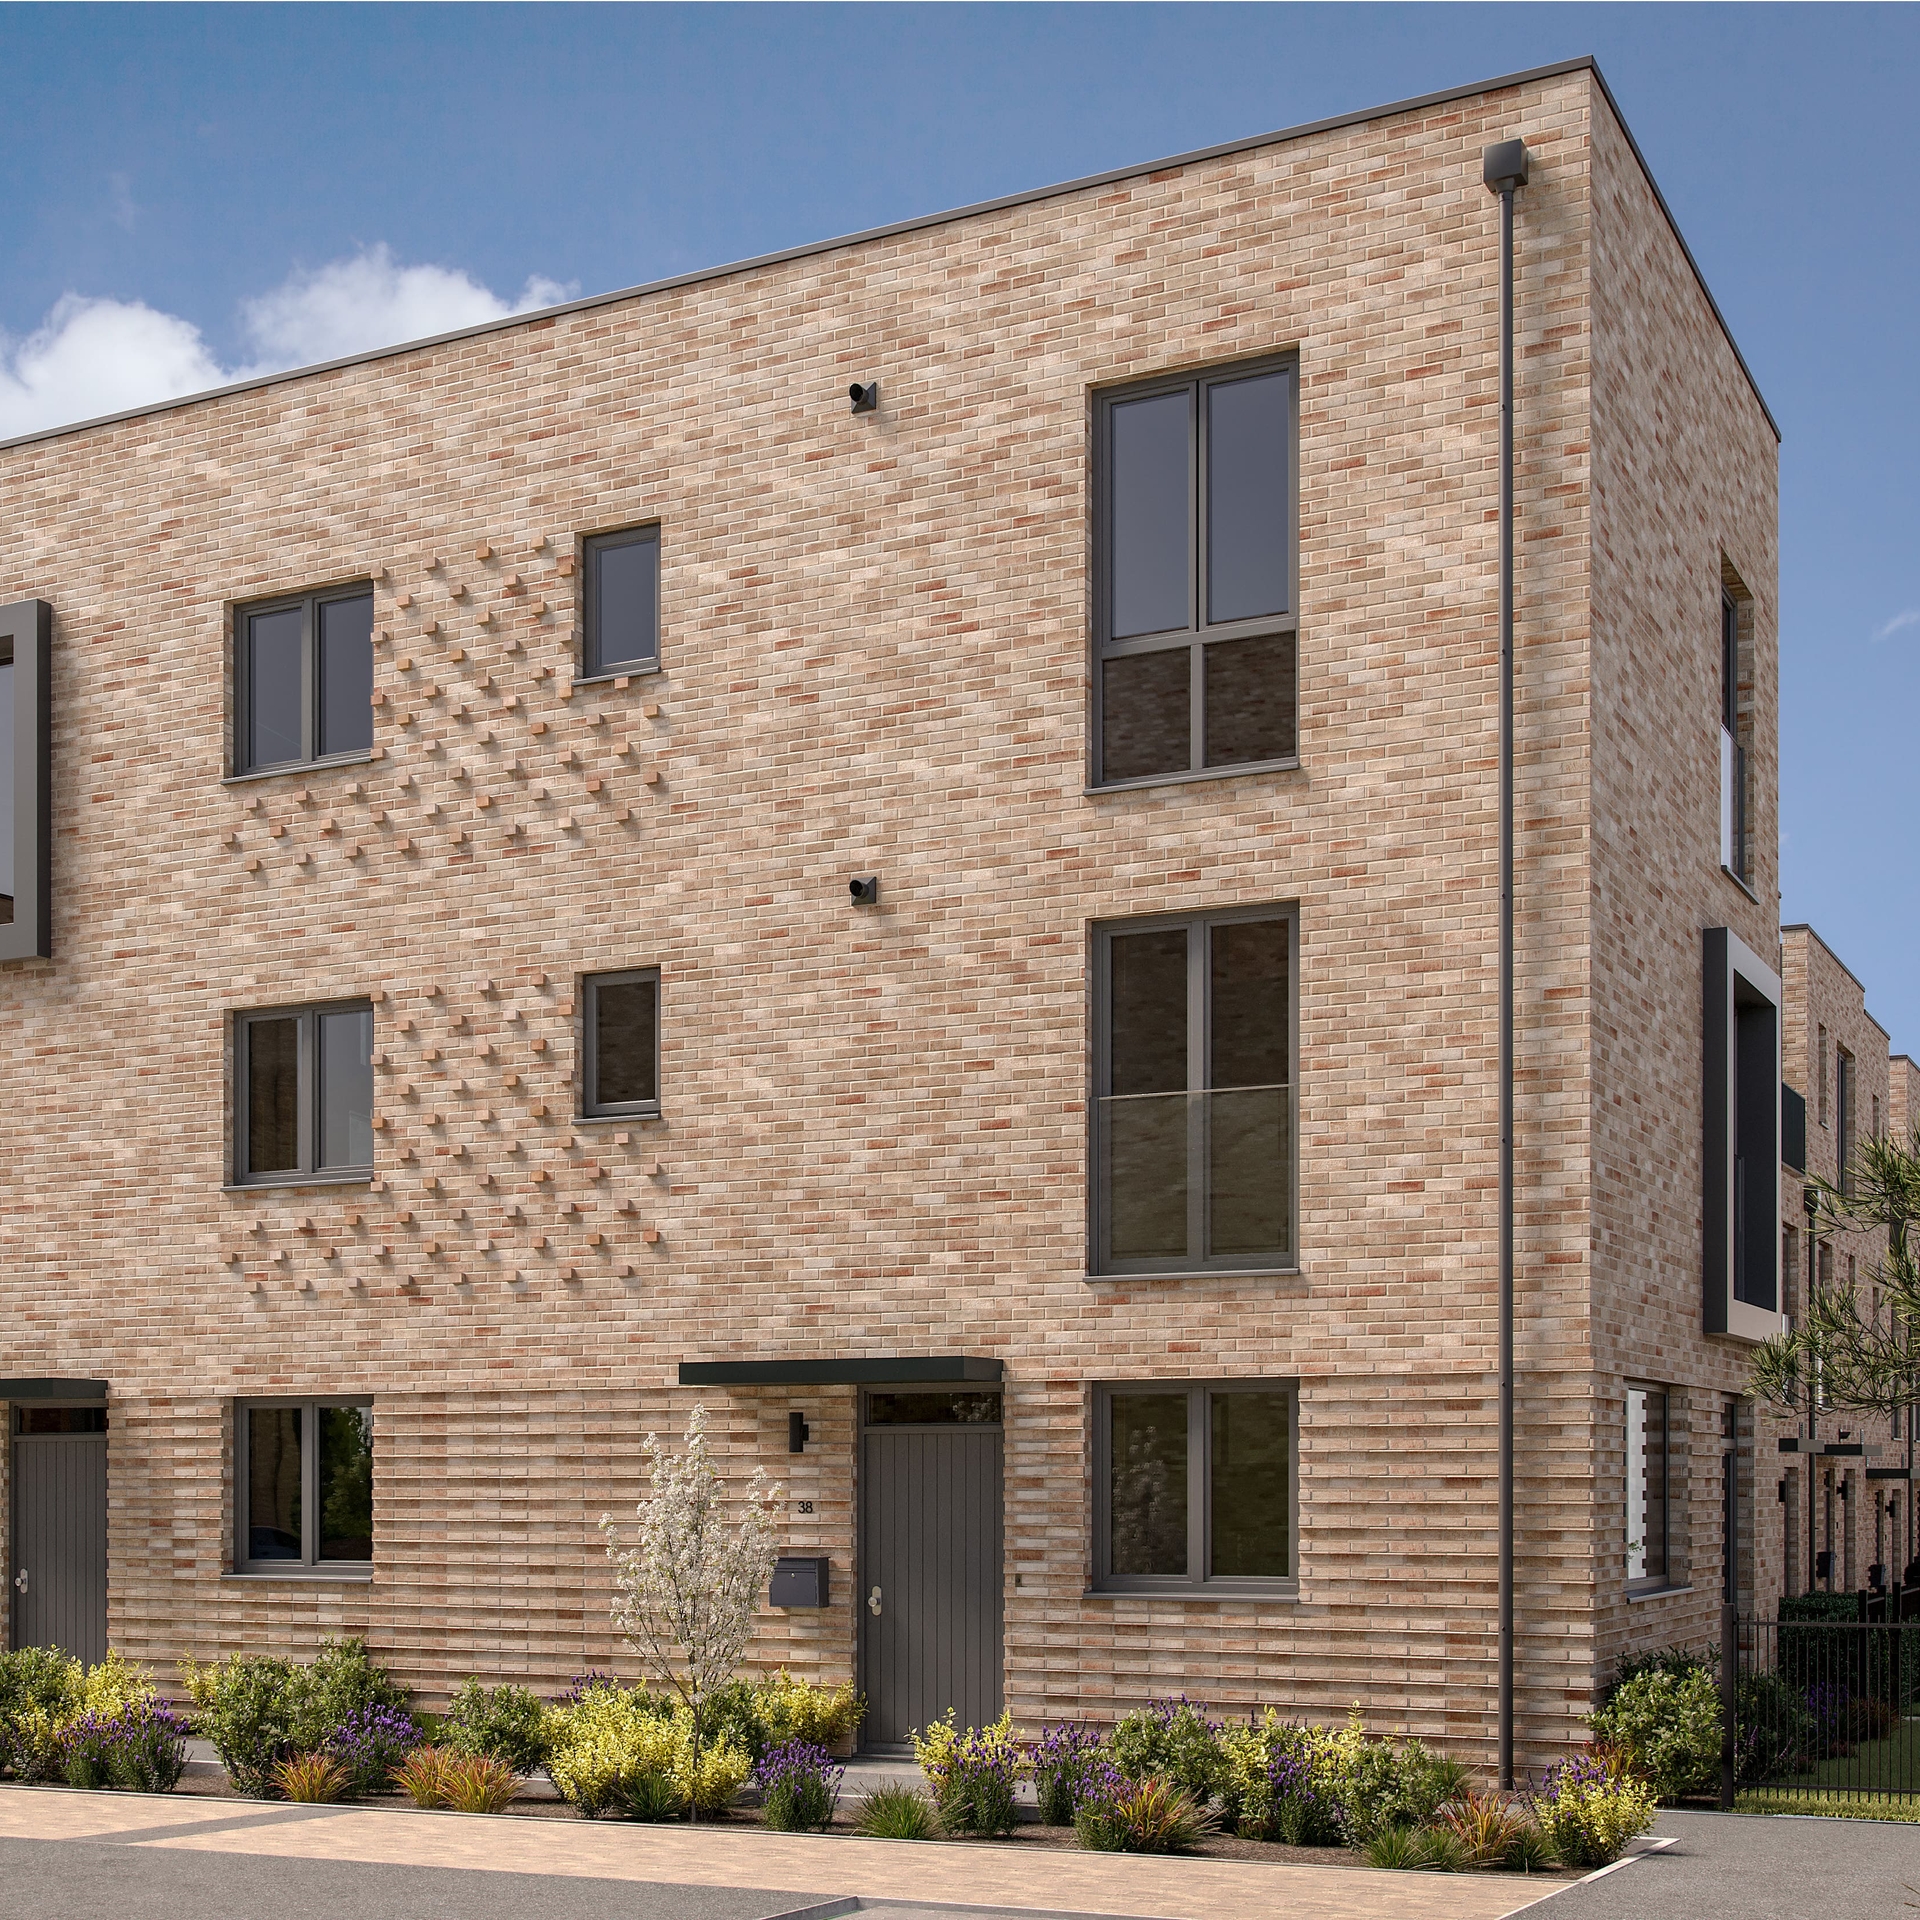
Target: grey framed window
{"x": 1740, "y": 1140}
{"x": 1843, "y": 1105}
{"x": 1193, "y": 1114}
{"x": 622, "y": 603}
{"x": 1195, "y": 1486}
{"x": 1649, "y": 1476}
{"x": 621, "y": 1012}
{"x": 1194, "y": 594}
{"x": 303, "y": 679}
{"x": 26, "y": 722}
{"x": 303, "y": 1094}
{"x": 303, "y": 1486}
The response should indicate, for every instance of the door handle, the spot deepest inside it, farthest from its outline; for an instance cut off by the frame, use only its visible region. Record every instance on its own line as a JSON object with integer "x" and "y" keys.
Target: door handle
{"x": 873, "y": 1603}
{"x": 20, "y": 1580}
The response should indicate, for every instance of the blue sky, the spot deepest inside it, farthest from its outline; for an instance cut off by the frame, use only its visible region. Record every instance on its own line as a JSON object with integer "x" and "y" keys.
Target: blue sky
{"x": 235, "y": 186}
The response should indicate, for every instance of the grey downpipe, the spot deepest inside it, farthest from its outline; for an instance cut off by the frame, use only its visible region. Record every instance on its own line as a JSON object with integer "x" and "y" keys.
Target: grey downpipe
{"x": 1504, "y": 168}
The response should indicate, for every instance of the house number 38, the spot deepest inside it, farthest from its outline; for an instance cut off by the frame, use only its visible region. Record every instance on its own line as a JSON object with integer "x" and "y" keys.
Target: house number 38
{"x": 806, "y": 1506}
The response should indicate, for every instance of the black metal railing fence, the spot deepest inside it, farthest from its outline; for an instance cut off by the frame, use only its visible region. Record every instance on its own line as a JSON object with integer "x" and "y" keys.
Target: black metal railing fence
{"x": 1821, "y": 1708}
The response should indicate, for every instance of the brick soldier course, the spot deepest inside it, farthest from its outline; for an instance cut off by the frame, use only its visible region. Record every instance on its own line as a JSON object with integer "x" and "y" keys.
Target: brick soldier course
{"x": 873, "y": 1138}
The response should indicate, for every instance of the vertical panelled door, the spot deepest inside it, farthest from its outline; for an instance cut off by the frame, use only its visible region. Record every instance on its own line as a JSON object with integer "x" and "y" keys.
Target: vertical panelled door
{"x": 930, "y": 1561}
{"x": 58, "y": 1566}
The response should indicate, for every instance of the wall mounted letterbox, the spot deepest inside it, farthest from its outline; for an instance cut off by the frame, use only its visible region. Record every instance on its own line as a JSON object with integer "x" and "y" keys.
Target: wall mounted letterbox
{"x": 799, "y": 1580}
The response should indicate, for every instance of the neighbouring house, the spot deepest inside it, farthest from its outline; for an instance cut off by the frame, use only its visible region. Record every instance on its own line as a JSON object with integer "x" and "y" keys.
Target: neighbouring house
{"x": 903, "y": 840}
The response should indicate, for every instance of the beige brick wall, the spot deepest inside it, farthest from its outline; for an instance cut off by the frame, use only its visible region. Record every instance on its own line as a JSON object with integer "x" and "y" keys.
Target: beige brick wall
{"x": 875, "y": 644}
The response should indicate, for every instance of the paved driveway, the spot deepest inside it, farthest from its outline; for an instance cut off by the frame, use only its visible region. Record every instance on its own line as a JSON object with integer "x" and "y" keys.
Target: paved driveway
{"x": 121, "y": 1856}
{"x": 1732, "y": 1866}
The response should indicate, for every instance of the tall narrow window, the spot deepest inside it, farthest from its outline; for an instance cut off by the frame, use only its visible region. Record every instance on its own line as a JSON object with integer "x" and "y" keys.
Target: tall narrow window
{"x": 26, "y": 864}
{"x": 1736, "y": 724}
{"x": 622, "y": 594}
{"x": 304, "y": 680}
{"x": 303, "y": 1486}
{"x": 1194, "y": 1486}
{"x": 1843, "y": 1098}
{"x": 1647, "y": 1487}
{"x": 304, "y": 1094}
{"x": 1821, "y": 1065}
{"x": 1742, "y": 1123}
{"x": 1194, "y": 599}
{"x": 622, "y": 1051}
{"x": 1194, "y": 1105}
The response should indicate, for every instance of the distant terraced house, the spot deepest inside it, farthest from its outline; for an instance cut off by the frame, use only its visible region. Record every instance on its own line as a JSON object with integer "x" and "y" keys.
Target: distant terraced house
{"x": 904, "y": 840}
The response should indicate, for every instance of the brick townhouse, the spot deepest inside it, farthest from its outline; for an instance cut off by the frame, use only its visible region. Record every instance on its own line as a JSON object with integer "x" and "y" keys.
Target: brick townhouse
{"x": 903, "y": 840}
{"x": 1842, "y": 1516}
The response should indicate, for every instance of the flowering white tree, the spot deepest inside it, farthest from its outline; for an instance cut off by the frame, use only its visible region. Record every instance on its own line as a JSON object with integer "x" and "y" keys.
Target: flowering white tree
{"x": 685, "y": 1591}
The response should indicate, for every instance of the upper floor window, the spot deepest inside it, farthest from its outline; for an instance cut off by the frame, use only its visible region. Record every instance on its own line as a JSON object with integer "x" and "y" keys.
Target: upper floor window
{"x": 622, "y": 1050}
{"x": 1736, "y": 726}
{"x": 26, "y": 845}
{"x": 1193, "y": 1118}
{"x": 303, "y": 679}
{"x": 1843, "y": 1099}
{"x": 622, "y": 595}
{"x": 303, "y": 1093}
{"x": 1194, "y": 603}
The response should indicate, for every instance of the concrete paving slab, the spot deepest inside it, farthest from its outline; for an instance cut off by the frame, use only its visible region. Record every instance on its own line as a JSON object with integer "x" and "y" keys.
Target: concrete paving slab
{"x": 746, "y": 1861}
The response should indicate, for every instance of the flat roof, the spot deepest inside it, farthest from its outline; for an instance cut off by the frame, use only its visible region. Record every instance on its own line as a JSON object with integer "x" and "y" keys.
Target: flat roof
{"x": 1585, "y": 63}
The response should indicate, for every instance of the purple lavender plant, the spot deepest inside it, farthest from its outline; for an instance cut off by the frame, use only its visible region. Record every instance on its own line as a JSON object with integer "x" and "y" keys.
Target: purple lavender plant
{"x": 370, "y": 1742}
{"x": 142, "y": 1748}
{"x": 582, "y": 1684}
{"x": 1062, "y": 1758}
{"x": 799, "y": 1784}
{"x": 976, "y": 1790}
{"x": 1300, "y": 1811}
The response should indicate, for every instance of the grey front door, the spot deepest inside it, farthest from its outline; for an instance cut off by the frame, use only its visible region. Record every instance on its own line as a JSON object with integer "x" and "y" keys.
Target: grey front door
{"x": 59, "y": 1560}
{"x": 929, "y": 1598}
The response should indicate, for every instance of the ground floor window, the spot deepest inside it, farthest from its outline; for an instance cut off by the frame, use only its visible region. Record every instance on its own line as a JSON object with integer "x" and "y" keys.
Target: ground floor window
{"x": 1194, "y": 1486}
{"x": 1648, "y": 1488}
{"x": 303, "y": 1485}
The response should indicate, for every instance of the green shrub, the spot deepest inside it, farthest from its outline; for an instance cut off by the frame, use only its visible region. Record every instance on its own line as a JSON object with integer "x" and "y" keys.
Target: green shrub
{"x": 505, "y": 1723}
{"x": 975, "y": 1791}
{"x": 40, "y": 1691}
{"x": 733, "y": 1714}
{"x": 617, "y": 1752}
{"x": 1171, "y": 1740}
{"x": 259, "y": 1709}
{"x": 1282, "y": 1780}
{"x": 1443, "y": 1851}
{"x": 1778, "y": 1735}
{"x": 1384, "y": 1785}
{"x": 793, "y": 1709}
{"x": 896, "y": 1813}
{"x": 1668, "y": 1728}
{"x": 1678, "y": 1661}
{"x": 1589, "y": 1811}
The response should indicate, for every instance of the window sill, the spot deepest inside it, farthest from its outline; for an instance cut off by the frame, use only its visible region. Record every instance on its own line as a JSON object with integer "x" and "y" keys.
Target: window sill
{"x": 1199, "y": 1273}
{"x": 642, "y": 671}
{"x": 1655, "y": 1593}
{"x": 1209, "y": 1595}
{"x": 644, "y": 1116}
{"x": 300, "y": 1183}
{"x": 1290, "y": 765}
{"x": 306, "y": 767}
{"x": 1741, "y": 884}
{"x": 304, "y": 1577}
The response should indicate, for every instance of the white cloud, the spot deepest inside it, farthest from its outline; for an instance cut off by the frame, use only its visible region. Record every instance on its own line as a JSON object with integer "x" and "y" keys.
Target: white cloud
{"x": 92, "y": 356}
{"x": 1910, "y": 618}
{"x": 348, "y": 306}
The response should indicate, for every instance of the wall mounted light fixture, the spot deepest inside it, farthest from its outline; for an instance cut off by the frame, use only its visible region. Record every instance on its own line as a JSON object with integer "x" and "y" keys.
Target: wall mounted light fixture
{"x": 798, "y": 1433}
{"x": 865, "y": 890}
{"x": 865, "y": 399}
